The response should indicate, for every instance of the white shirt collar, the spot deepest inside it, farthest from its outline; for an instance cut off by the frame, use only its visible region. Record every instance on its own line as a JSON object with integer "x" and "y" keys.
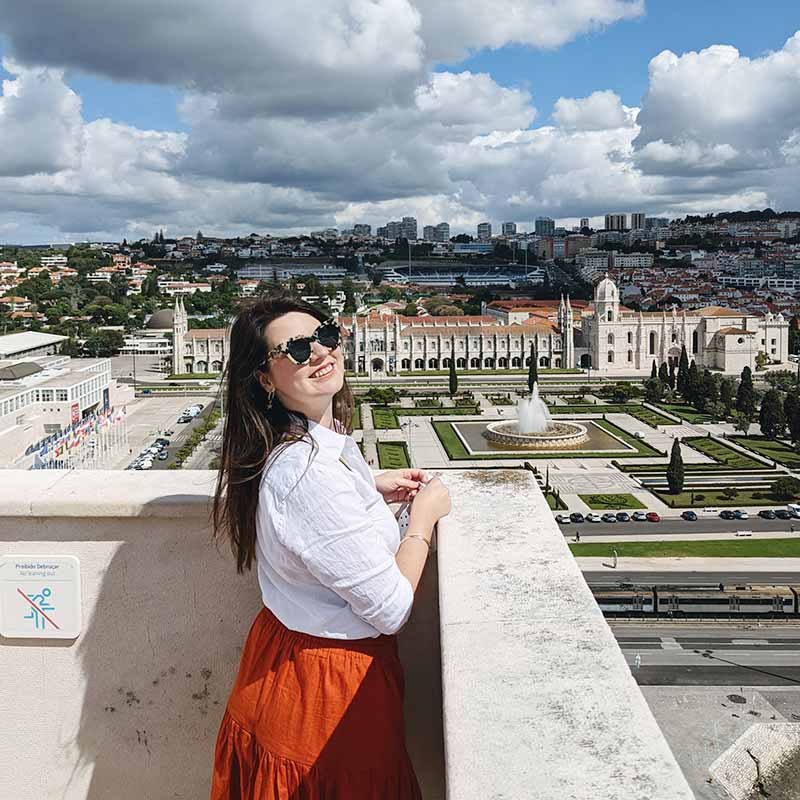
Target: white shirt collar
{"x": 326, "y": 438}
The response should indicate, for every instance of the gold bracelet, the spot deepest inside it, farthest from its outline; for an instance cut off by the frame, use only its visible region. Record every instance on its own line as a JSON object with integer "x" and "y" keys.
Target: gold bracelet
{"x": 417, "y": 536}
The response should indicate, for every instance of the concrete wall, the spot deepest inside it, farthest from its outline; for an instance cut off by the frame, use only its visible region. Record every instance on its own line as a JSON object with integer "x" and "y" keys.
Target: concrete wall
{"x": 536, "y": 698}
{"x": 131, "y": 708}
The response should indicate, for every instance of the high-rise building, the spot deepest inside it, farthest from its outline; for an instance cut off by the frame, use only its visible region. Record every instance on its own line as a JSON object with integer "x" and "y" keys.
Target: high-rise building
{"x": 394, "y": 230}
{"x": 362, "y": 230}
{"x": 656, "y": 222}
{"x": 509, "y": 229}
{"x": 637, "y": 222}
{"x": 443, "y": 232}
{"x": 616, "y": 222}
{"x": 409, "y": 228}
{"x": 429, "y": 234}
{"x": 584, "y": 222}
{"x": 545, "y": 226}
{"x": 484, "y": 231}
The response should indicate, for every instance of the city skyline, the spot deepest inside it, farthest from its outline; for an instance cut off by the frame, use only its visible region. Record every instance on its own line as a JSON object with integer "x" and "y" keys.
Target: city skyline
{"x": 568, "y": 113}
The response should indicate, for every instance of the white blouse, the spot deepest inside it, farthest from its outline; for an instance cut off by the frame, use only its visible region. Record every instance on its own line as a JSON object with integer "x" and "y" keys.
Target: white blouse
{"x": 326, "y": 542}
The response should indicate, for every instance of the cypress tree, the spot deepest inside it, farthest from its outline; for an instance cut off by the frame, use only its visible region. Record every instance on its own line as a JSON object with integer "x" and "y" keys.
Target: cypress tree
{"x": 453, "y": 377}
{"x": 746, "y": 395}
{"x": 653, "y": 370}
{"x": 791, "y": 411}
{"x": 771, "y": 417}
{"x": 533, "y": 373}
{"x": 672, "y": 376}
{"x": 683, "y": 370}
{"x": 692, "y": 384}
{"x": 663, "y": 374}
{"x": 675, "y": 469}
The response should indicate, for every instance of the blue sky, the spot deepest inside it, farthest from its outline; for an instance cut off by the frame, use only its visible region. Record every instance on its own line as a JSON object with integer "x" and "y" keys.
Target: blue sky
{"x": 613, "y": 58}
{"x": 292, "y": 130}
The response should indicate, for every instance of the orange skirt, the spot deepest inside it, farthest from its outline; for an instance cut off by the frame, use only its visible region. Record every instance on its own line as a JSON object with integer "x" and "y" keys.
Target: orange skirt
{"x": 311, "y": 718}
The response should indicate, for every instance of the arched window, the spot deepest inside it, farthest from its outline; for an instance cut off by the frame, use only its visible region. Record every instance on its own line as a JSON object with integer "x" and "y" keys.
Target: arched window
{"x": 630, "y": 338}
{"x": 652, "y": 343}
{"x": 630, "y": 355}
{"x": 611, "y": 338}
{"x": 610, "y": 315}
{"x": 694, "y": 342}
{"x": 610, "y": 356}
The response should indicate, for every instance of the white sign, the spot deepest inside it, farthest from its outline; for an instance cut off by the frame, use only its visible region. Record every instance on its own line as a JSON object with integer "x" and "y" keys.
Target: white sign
{"x": 40, "y": 597}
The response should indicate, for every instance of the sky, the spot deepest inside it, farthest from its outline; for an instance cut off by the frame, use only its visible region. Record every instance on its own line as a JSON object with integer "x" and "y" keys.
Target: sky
{"x": 290, "y": 116}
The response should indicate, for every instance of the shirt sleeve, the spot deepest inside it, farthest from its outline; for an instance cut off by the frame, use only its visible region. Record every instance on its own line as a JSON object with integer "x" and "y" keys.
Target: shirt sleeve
{"x": 340, "y": 548}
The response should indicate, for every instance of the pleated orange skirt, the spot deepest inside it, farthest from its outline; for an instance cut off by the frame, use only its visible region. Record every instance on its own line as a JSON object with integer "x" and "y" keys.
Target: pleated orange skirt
{"x": 311, "y": 718}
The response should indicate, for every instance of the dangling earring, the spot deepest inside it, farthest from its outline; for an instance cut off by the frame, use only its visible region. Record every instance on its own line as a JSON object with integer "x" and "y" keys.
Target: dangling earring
{"x": 270, "y": 395}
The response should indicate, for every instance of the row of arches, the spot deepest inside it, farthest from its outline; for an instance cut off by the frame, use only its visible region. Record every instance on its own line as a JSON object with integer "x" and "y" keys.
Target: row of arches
{"x": 408, "y": 364}
{"x": 202, "y": 366}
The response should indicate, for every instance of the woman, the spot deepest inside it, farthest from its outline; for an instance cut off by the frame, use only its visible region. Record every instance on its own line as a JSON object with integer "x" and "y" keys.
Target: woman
{"x": 317, "y": 707}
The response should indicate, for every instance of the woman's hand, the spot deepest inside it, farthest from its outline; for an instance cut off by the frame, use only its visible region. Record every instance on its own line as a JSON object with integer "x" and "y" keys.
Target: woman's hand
{"x": 399, "y": 485}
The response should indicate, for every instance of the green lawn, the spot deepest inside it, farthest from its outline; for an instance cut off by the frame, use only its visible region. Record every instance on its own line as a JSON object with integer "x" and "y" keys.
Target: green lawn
{"x": 722, "y": 453}
{"x": 708, "y": 548}
{"x": 646, "y": 415}
{"x": 777, "y": 451}
{"x": 357, "y": 416}
{"x": 392, "y": 455}
{"x": 714, "y": 497}
{"x": 611, "y": 502}
{"x": 685, "y": 412}
{"x": 457, "y": 452}
{"x": 386, "y": 416}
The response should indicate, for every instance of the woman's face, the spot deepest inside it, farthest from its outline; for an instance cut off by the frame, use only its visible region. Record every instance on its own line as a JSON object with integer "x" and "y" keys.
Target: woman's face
{"x": 312, "y": 385}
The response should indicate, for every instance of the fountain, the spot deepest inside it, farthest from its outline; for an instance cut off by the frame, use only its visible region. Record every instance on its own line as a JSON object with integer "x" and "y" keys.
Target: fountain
{"x": 534, "y": 427}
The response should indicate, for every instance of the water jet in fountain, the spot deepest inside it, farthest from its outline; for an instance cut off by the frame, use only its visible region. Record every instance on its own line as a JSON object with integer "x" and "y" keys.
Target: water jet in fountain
{"x": 535, "y": 428}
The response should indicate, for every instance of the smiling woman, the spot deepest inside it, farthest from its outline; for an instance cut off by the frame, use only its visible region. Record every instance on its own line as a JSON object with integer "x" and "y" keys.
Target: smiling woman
{"x": 317, "y": 706}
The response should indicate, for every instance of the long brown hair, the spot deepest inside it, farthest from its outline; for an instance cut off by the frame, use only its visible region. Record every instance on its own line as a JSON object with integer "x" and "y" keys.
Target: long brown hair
{"x": 252, "y": 430}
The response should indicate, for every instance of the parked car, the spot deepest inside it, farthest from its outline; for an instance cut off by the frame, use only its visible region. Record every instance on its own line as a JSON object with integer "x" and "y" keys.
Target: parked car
{"x": 767, "y": 513}
{"x": 163, "y": 442}
{"x": 639, "y": 516}
{"x": 576, "y": 517}
{"x": 562, "y": 519}
{"x": 168, "y": 433}
{"x": 689, "y": 516}
{"x": 739, "y": 514}
{"x": 652, "y": 516}
{"x": 163, "y": 455}
{"x": 623, "y": 516}
{"x": 593, "y": 517}
{"x": 146, "y": 465}
{"x": 609, "y": 517}
{"x": 727, "y": 514}
{"x": 184, "y": 419}
{"x": 782, "y": 513}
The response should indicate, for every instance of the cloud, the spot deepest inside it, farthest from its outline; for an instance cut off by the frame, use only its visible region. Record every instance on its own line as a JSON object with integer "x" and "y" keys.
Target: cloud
{"x": 40, "y": 122}
{"x": 718, "y": 110}
{"x": 451, "y": 30}
{"x": 597, "y": 112}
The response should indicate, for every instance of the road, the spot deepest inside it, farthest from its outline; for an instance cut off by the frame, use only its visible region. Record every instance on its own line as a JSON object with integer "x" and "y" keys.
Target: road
{"x": 731, "y": 654}
{"x": 617, "y": 576}
{"x": 712, "y": 524}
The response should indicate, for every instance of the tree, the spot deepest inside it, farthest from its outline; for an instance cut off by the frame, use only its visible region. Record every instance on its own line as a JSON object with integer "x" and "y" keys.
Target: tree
{"x": 533, "y": 372}
{"x": 663, "y": 373}
{"x": 653, "y": 370}
{"x": 675, "y": 469}
{"x": 746, "y": 395}
{"x": 653, "y": 390}
{"x": 453, "y": 383}
{"x": 708, "y": 391}
{"x": 786, "y": 488}
{"x": 727, "y": 393}
{"x": 672, "y": 376}
{"x": 771, "y": 417}
{"x": 742, "y": 422}
{"x": 410, "y": 310}
{"x": 692, "y": 388}
{"x": 683, "y": 370}
{"x": 761, "y": 360}
{"x": 794, "y": 425}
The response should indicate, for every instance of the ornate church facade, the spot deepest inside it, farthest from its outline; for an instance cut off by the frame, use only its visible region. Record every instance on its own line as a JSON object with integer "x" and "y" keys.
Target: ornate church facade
{"x": 201, "y": 350}
{"x": 715, "y": 337}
